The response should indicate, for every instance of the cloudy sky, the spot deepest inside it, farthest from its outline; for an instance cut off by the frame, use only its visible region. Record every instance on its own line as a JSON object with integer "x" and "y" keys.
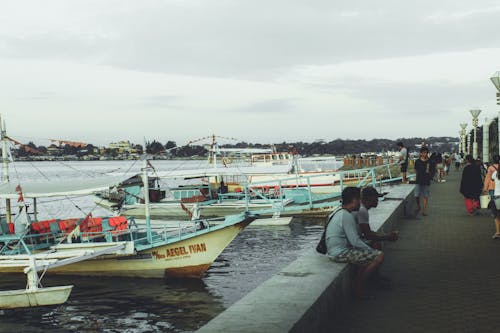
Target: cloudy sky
{"x": 260, "y": 71}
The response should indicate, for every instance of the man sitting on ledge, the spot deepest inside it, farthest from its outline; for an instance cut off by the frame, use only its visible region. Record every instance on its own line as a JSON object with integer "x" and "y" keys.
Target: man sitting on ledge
{"x": 345, "y": 246}
{"x": 369, "y": 199}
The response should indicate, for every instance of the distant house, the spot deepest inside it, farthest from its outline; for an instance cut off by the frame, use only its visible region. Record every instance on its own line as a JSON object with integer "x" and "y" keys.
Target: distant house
{"x": 54, "y": 150}
{"x": 122, "y": 147}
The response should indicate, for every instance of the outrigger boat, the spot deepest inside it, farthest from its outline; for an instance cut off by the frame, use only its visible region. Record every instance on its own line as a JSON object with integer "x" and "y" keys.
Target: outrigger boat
{"x": 209, "y": 198}
{"x": 100, "y": 246}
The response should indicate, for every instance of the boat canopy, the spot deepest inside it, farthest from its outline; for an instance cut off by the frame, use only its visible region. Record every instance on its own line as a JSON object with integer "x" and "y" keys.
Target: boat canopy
{"x": 245, "y": 150}
{"x": 56, "y": 188}
{"x": 223, "y": 171}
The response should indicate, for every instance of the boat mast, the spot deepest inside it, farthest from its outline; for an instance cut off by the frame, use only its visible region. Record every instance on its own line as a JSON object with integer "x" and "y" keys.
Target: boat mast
{"x": 5, "y": 166}
{"x": 145, "y": 181}
{"x": 214, "y": 151}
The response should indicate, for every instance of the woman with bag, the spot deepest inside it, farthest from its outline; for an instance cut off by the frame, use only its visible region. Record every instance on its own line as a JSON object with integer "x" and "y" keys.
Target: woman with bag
{"x": 489, "y": 183}
{"x": 471, "y": 185}
{"x": 495, "y": 177}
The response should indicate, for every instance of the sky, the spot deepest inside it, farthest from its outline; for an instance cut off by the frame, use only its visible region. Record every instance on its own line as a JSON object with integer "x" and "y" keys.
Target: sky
{"x": 269, "y": 71}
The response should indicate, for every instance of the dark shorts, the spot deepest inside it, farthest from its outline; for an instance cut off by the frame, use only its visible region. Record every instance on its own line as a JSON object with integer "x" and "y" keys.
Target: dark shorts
{"x": 404, "y": 167}
{"x": 422, "y": 190}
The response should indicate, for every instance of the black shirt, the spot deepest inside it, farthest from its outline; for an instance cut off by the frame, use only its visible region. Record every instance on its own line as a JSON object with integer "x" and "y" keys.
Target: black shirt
{"x": 424, "y": 171}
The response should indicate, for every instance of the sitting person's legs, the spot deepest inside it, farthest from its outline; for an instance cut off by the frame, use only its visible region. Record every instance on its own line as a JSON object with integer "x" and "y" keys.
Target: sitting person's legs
{"x": 367, "y": 261}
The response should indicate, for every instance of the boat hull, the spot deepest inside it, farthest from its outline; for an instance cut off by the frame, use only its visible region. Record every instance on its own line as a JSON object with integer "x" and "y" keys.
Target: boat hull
{"x": 189, "y": 257}
{"x": 175, "y": 210}
{"x": 24, "y": 298}
{"x": 272, "y": 221}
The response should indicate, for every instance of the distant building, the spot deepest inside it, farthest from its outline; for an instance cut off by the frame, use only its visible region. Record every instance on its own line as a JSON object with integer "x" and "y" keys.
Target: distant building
{"x": 123, "y": 147}
{"x": 54, "y": 150}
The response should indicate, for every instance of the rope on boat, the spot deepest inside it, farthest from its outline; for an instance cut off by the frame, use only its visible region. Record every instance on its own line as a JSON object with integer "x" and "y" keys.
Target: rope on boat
{"x": 39, "y": 171}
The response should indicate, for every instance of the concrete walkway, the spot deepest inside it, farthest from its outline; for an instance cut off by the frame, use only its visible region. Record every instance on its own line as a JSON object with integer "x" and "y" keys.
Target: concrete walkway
{"x": 445, "y": 270}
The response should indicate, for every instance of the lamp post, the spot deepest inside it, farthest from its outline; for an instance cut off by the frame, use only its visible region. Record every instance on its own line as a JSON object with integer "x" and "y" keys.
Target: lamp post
{"x": 495, "y": 78}
{"x": 462, "y": 138}
{"x": 475, "y": 114}
{"x": 459, "y": 141}
{"x": 486, "y": 140}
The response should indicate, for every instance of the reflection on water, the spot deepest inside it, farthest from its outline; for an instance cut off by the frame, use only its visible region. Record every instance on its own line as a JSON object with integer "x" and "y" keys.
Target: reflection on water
{"x": 153, "y": 305}
{"x": 256, "y": 254}
{"x": 118, "y": 305}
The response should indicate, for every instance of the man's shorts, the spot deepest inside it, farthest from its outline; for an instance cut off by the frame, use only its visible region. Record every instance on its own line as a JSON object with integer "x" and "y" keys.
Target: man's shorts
{"x": 422, "y": 190}
{"x": 404, "y": 167}
{"x": 357, "y": 256}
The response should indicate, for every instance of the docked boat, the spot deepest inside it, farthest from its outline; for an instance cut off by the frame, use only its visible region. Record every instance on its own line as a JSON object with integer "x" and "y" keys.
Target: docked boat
{"x": 99, "y": 246}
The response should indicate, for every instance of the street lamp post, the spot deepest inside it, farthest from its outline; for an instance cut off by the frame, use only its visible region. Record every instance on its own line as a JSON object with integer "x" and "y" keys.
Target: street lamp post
{"x": 486, "y": 140}
{"x": 459, "y": 141}
{"x": 495, "y": 78}
{"x": 475, "y": 114}
{"x": 462, "y": 138}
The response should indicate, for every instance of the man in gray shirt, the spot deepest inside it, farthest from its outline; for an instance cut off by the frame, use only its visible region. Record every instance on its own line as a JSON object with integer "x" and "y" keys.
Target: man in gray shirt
{"x": 369, "y": 199}
{"x": 344, "y": 244}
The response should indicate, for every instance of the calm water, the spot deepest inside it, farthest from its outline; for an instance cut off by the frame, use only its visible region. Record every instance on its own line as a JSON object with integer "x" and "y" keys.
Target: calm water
{"x": 151, "y": 305}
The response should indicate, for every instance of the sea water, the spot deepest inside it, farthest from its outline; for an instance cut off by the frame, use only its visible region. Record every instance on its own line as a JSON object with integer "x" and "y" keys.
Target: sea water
{"x": 149, "y": 305}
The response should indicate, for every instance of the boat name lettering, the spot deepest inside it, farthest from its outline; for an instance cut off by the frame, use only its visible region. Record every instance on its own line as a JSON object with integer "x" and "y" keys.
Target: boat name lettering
{"x": 180, "y": 251}
{"x": 195, "y": 248}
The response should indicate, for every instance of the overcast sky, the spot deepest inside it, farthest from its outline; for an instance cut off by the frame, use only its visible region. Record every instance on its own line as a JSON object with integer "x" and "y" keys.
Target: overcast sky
{"x": 260, "y": 71}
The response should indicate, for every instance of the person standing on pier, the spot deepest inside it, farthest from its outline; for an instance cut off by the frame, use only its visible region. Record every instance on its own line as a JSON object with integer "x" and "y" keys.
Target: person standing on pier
{"x": 471, "y": 185}
{"x": 424, "y": 170}
{"x": 403, "y": 161}
{"x": 345, "y": 246}
{"x": 496, "y": 194}
{"x": 489, "y": 183}
{"x": 458, "y": 160}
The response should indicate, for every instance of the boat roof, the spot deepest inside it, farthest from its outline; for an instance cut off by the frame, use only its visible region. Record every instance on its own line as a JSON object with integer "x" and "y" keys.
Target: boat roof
{"x": 223, "y": 171}
{"x": 246, "y": 150}
{"x": 55, "y": 188}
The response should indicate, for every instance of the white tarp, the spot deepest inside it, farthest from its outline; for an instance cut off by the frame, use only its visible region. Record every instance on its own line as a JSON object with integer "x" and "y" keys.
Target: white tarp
{"x": 57, "y": 188}
{"x": 222, "y": 171}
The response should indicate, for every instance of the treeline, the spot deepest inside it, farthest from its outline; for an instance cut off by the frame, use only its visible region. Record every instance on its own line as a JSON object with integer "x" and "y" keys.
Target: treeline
{"x": 335, "y": 147}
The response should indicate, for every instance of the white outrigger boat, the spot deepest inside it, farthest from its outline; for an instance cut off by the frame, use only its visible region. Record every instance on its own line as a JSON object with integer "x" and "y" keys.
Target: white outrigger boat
{"x": 99, "y": 246}
{"x": 204, "y": 200}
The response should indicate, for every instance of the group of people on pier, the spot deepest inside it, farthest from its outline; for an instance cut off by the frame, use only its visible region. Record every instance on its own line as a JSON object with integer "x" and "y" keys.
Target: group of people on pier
{"x": 480, "y": 179}
{"x": 348, "y": 236}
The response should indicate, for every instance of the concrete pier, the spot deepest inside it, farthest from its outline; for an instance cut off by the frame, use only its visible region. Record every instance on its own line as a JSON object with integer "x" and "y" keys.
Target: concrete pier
{"x": 445, "y": 271}
{"x": 305, "y": 295}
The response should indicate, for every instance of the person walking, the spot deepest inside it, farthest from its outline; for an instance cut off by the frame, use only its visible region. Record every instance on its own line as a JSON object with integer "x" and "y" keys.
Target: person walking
{"x": 489, "y": 183}
{"x": 439, "y": 167}
{"x": 424, "y": 170}
{"x": 403, "y": 161}
{"x": 496, "y": 193}
{"x": 471, "y": 185}
{"x": 458, "y": 160}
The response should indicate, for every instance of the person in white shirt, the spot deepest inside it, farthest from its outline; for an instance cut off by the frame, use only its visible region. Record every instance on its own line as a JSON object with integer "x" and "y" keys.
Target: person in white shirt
{"x": 495, "y": 177}
{"x": 403, "y": 160}
{"x": 458, "y": 160}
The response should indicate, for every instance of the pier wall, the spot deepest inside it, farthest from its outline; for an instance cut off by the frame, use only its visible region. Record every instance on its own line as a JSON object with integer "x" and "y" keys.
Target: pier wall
{"x": 310, "y": 289}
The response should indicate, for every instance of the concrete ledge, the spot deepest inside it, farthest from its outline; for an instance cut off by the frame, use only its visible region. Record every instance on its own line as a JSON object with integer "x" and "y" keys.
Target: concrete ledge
{"x": 308, "y": 290}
